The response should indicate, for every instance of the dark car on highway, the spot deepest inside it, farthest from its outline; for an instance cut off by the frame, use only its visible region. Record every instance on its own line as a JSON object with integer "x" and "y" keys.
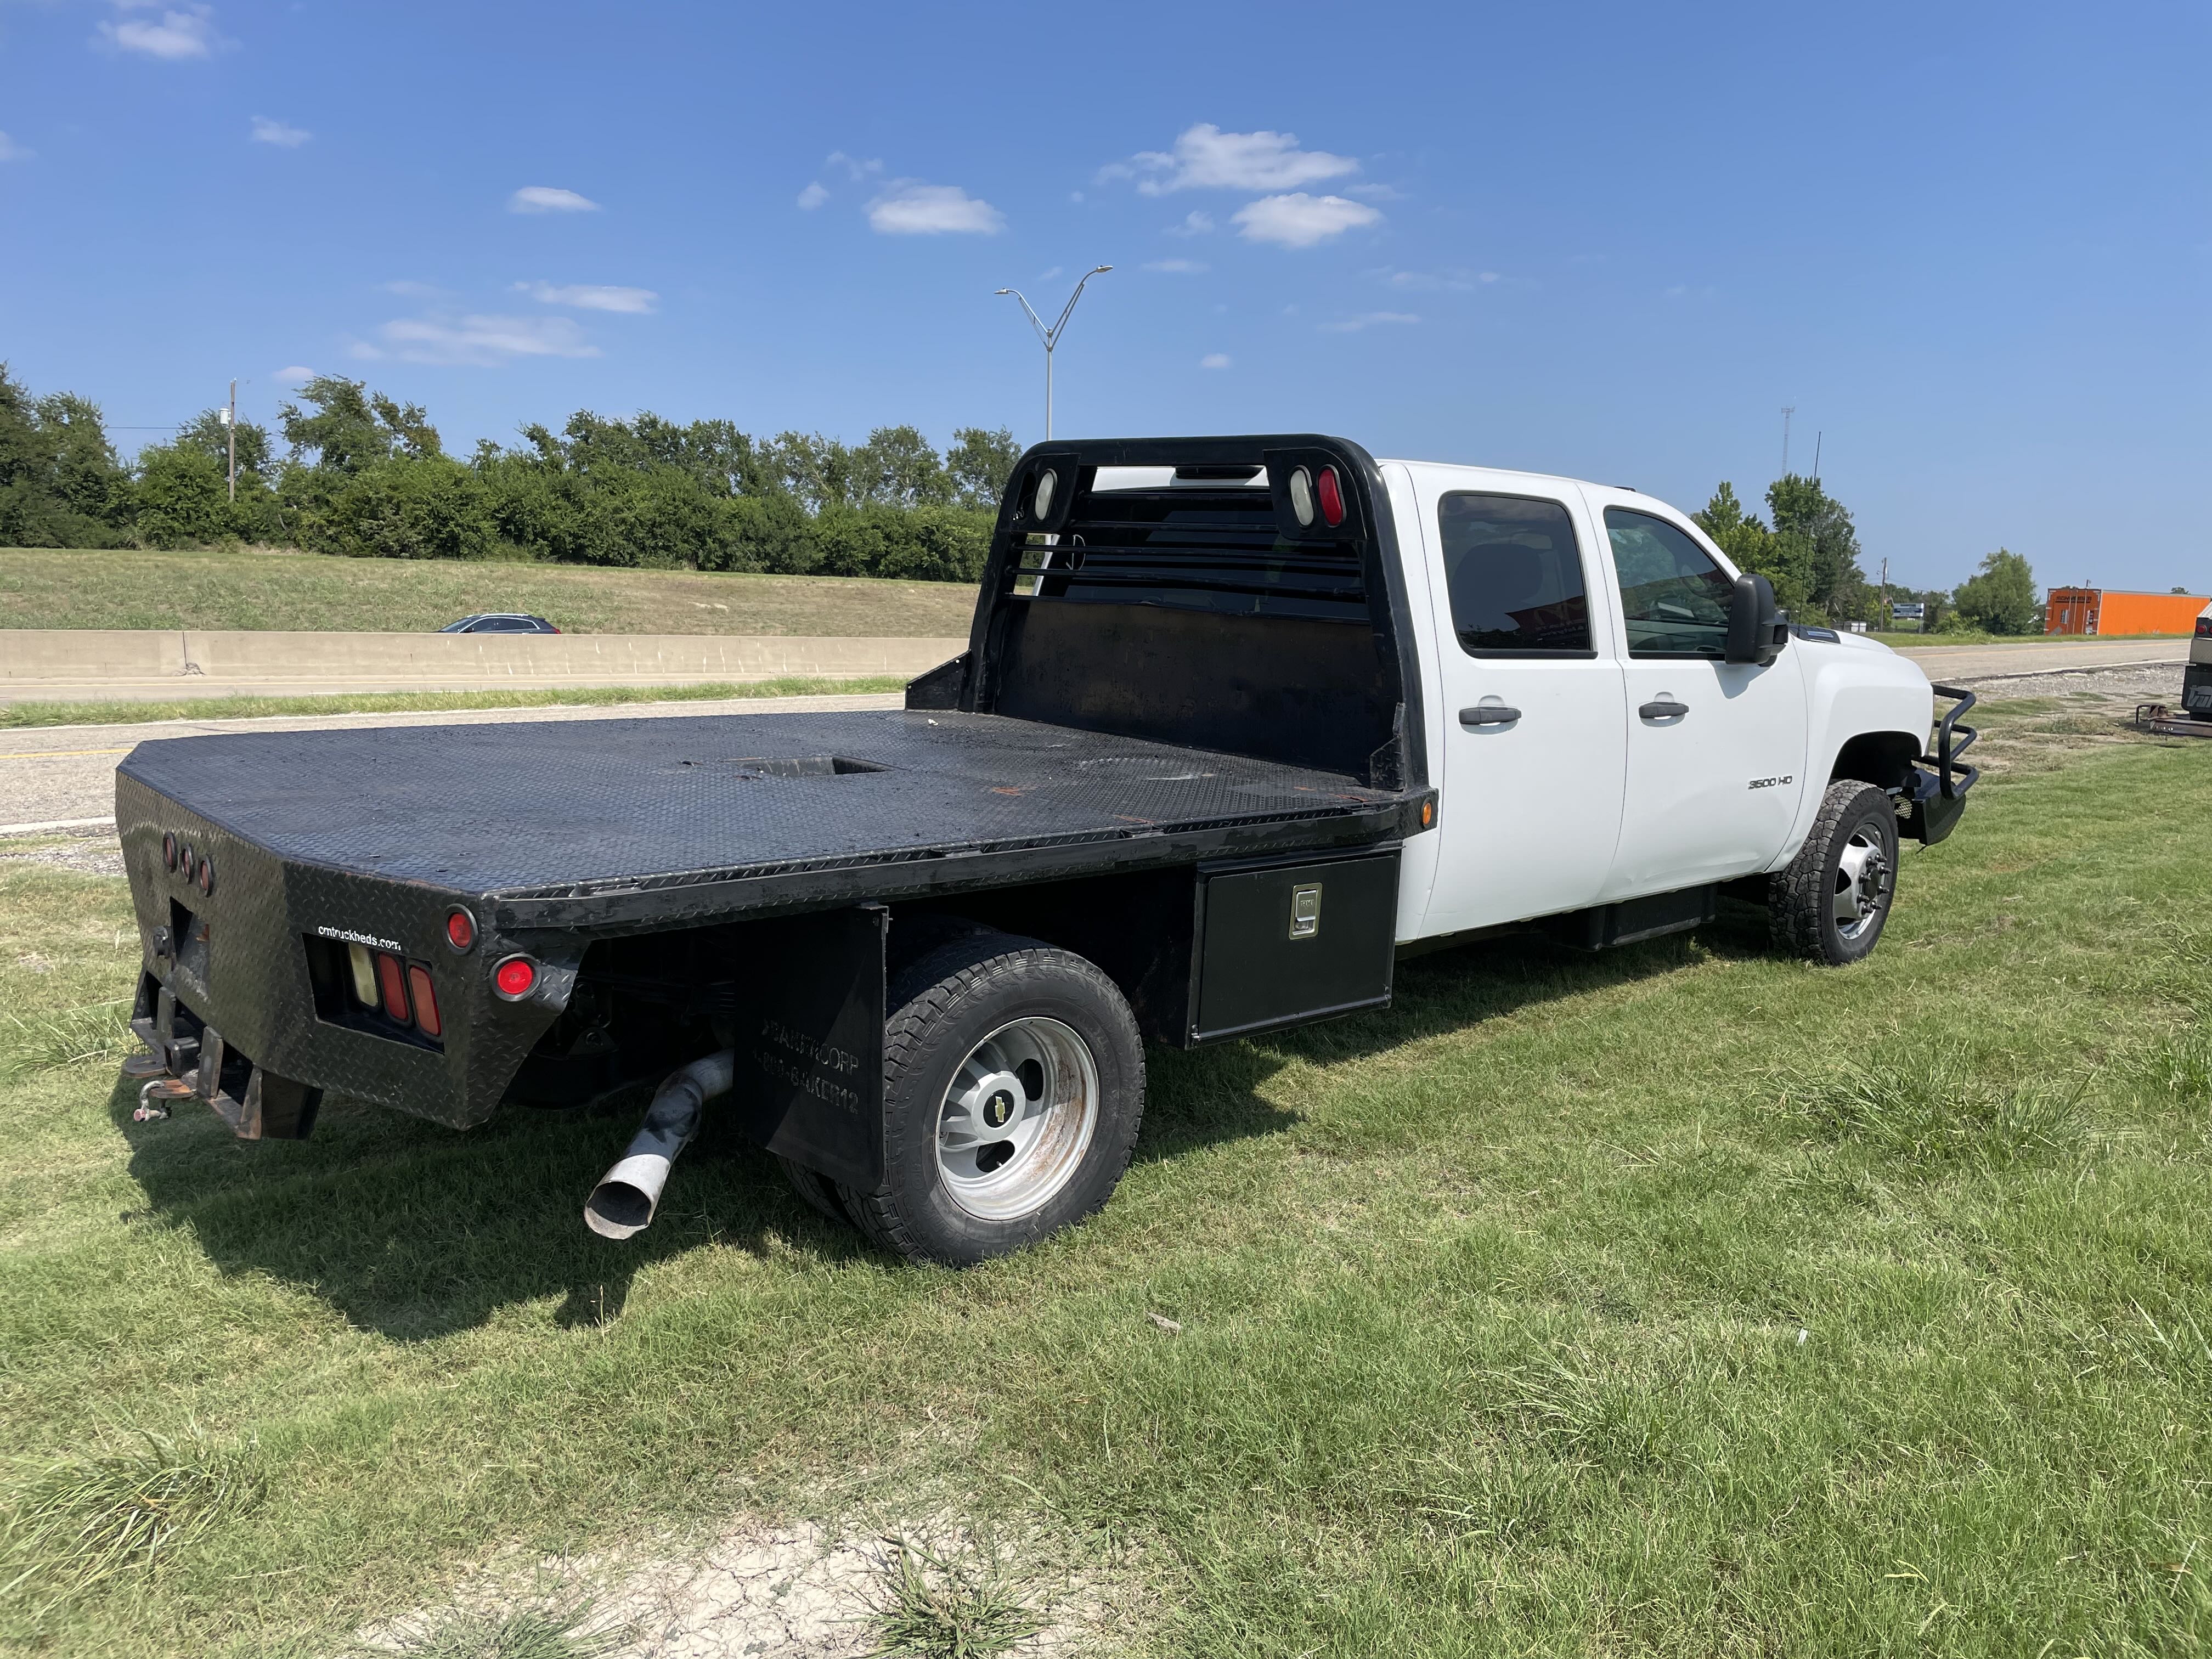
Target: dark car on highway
{"x": 500, "y": 622}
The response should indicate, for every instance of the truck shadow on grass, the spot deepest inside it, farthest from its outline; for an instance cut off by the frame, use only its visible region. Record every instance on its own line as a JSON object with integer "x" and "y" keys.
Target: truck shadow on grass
{"x": 417, "y": 1232}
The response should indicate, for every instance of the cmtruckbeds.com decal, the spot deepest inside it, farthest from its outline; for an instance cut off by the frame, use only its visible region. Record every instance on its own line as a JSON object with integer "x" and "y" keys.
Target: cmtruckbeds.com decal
{"x": 352, "y": 938}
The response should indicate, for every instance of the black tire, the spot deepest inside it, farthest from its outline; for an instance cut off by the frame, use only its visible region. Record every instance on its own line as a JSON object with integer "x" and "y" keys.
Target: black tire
{"x": 942, "y": 1006}
{"x": 816, "y": 1189}
{"x": 1858, "y": 823}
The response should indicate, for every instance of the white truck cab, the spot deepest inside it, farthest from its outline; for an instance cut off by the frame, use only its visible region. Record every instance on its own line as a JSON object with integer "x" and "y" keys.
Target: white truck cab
{"x": 1593, "y": 743}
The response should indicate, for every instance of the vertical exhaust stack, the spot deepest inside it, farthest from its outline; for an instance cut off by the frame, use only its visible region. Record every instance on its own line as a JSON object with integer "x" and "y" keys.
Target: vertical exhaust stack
{"x": 622, "y": 1205}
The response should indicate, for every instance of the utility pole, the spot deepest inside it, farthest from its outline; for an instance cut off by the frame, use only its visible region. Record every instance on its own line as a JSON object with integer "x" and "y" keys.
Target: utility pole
{"x": 1885, "y": 596}
{"x": 1787, "y": 411}
{"x": 230, "y": 430}
{"x": 1050, "y": 336}
{"x": 1817, "y": 436}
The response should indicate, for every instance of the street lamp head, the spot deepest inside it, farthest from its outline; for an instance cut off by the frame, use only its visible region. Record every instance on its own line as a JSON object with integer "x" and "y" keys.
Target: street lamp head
{"x": 996, "y": 291}
{"x": 1094, "y": 269}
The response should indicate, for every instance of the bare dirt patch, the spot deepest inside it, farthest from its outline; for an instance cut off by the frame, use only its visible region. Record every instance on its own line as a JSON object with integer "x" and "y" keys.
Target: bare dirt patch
{"x": 805, "y": 1590}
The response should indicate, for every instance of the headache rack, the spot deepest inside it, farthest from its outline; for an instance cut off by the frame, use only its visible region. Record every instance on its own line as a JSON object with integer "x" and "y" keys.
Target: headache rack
{"x": 1198, "y": 537}
{"x": 1184, "y": 591}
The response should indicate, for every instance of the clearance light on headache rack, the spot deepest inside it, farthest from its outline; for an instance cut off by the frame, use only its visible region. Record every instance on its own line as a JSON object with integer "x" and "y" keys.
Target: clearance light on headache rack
{"x": 1330, "y": 491}
{"x": 460, "y": 929}
{"x": 1302, "y": 497}
{"x": 514, "y": 978}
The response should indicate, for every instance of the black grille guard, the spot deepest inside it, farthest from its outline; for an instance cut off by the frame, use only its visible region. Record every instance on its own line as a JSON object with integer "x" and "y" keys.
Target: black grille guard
{"x": 1939, "y": 796}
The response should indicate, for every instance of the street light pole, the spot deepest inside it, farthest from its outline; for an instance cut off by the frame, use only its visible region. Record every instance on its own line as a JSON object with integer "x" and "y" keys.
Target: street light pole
{"x": 1050, "y": 336}
{"x": 230, "y": 429}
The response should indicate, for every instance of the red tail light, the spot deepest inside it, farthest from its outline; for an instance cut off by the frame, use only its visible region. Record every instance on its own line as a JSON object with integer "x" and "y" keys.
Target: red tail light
{"x": 514, "y": 977}
{"x": 460, "y": 929}
{"x": 391, "y": 981}
{"x": 1329, "y": 490}
{"x": 426, "y": 1000}
{"x": 2204, "y": 628}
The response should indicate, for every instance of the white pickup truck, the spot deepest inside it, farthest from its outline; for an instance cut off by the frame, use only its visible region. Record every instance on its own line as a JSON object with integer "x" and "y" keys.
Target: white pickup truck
{"x": 1241, "y": 722}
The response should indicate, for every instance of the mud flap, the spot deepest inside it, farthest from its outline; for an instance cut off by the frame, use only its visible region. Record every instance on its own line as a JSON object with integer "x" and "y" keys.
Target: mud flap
{"x": 810, "y": 1041}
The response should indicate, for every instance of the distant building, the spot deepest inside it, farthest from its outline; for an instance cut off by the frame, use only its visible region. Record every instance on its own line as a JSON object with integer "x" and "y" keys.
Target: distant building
{"x": 2113, "y": 610}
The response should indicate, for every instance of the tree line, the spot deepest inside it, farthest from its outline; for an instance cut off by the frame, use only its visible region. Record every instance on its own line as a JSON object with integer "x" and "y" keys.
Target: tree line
{"x": 363, "y": 475}
{"x": 1808, "y": 547}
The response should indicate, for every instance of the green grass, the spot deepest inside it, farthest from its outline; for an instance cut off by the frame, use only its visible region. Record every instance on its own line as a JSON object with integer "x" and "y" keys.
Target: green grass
{"x": 49, "y": 587}
{"x": 952, "y": 1604}
{"x": 386, "y": 702}
{"x": 1912, "y": 636}
{"x": 562, "y": 1631}
{"x": 1677, "y": 1301}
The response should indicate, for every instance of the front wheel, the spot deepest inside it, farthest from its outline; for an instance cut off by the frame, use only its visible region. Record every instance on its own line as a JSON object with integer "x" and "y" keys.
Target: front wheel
{"x": 1013, "y": 1087}
{"x": 1831, "y": 903}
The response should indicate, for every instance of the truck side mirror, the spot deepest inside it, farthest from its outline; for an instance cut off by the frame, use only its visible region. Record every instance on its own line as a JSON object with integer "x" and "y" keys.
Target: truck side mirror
{"x": 1756, "y": 632}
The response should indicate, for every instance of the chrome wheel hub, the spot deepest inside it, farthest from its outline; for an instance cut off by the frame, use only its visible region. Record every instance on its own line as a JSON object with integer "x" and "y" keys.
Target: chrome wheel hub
{"x": 1862, "y": 885}
{"x": 1017, "y": 1119}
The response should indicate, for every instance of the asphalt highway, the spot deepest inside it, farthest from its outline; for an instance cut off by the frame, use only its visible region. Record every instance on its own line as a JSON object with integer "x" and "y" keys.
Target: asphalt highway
{"x": 63, "y": 777}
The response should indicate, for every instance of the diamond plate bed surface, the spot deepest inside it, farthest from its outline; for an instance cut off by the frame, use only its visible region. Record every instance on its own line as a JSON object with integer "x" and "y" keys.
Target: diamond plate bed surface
{"x": 542, "y": 807}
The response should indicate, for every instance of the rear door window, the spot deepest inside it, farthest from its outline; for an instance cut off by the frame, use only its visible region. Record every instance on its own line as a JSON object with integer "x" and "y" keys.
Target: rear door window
{"x": 1514, "y": 572}
{"x": 1673, "y": 599}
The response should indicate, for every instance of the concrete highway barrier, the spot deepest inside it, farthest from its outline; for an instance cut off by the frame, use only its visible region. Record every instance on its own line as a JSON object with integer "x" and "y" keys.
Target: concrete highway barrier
{"x": 90, "y": 665}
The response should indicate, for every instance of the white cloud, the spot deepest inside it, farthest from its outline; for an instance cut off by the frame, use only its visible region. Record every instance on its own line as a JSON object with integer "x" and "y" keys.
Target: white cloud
{"x": 268, "y": 132}
{"x": 812, "y": 198}
{"x": 480, "y": 342}
{"x": 1214, "y": 360}
{"x": 1300, "y": 220}
{"x": 1457, "y": 279}
{"x": 1369, "y": 319}
{"x": 1180, "y": 267}
{"x": 413, "y": 290}
{"x": 1374, "y": 193}
{"x": 855, "y": 168}
{"x": 592, "y": 296}
{"x": 1206, "y": 158}
{"x": 1047, "y": 276}
{"x": 1196, "y": 223}
{"x": 297, "y": 374}
{"x": 12, "y": 151}
{"x": 545, "y": 198}
{"x": 181, "y": 32}
{"x": 910, "y": 208}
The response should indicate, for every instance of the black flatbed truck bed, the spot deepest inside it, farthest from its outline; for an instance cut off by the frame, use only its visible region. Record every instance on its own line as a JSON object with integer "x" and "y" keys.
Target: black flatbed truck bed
{"x": 1183, "y": 716}
{"x": 642, "y": 824}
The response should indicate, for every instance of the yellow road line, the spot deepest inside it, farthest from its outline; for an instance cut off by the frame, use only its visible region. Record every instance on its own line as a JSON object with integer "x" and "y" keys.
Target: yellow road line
{"x": 53, "y": 754}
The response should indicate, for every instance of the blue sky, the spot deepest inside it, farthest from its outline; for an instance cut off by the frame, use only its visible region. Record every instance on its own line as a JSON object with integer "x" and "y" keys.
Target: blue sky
{"x": 1969, "y": 244}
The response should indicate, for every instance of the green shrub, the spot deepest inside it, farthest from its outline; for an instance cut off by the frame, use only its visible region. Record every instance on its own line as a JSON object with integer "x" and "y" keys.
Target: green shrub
{"x": 425, "y": 508}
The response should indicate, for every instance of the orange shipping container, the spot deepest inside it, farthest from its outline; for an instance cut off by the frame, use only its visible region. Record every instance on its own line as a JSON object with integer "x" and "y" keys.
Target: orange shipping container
{"x": 2111, "y": 611}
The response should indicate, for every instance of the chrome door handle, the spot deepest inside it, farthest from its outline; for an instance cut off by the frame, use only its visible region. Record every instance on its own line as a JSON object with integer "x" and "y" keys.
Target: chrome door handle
{"x": 1488, "y": 714}
{"x": 1663, "y": 708}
